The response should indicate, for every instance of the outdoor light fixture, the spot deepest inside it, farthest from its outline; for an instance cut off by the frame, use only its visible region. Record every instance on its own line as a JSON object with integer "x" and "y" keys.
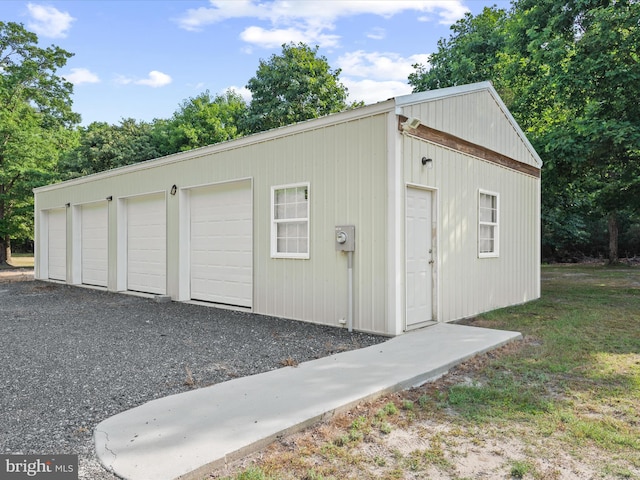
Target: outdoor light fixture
{"x": 109, "y": 198}
{"x": 427, "y": 161}
{"x": 174, "y": 189}
{"x": 67, "y": 205}
{"x": 411, "y": 123}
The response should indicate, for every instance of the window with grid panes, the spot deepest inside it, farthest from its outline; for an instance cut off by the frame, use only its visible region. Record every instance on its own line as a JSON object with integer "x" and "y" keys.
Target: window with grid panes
{"x": 488, "y": 225}
{"x": 290, "y": 221}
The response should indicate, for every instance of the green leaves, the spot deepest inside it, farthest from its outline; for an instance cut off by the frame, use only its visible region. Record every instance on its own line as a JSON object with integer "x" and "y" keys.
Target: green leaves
{"x": 292, "y": 87}
{"x": 35, "y": 116}
{"x": 203, "y": 120}
{"x": 570, "y": 75}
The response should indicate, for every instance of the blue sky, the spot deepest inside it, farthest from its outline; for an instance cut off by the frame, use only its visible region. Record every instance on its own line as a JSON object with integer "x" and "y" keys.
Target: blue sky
{"x": 141, "y": 59}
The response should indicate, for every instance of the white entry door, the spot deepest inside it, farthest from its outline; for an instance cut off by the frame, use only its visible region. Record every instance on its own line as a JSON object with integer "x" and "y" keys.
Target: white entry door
{"x": 147, "y": 244}
{"x": 419, "y": 257}
{"x": 57, "y": 244}
{"x": 95, "y": 242}
{"x": 221, "y": 244}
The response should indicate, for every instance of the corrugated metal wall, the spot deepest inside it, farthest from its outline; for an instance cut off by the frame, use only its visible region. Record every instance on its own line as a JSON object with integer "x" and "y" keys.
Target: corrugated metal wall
{"x": 471, "y": 116}
{"x": 345, "y": 165}
{"x": 468, "y": 285}
{"x": 358, "y": 166}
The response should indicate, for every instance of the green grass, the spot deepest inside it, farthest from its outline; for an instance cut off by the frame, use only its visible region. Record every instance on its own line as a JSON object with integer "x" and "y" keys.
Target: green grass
{"x": 583, "y": 365}
{"x": 573, "y": 386}
{"x": 21, "y": 260}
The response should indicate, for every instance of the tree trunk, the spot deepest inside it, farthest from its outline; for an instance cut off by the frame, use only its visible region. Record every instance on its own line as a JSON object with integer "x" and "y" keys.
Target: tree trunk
{"x": 5, "y": 246}
{"x": 613, "y": 238}
{"x": 5, "y": 251}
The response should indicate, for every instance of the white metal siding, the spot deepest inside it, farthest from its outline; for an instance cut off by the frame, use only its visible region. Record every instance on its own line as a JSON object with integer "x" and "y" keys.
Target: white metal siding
{"x": 469, "y": 285}
{"x": 475, "y": 117}
{"x": 95, "y": 243}
{"x": 222, "y": 244}
{"x": 146, "y": 244}
{"x": 57, "y": 244}
{"x": 345, "y": 165}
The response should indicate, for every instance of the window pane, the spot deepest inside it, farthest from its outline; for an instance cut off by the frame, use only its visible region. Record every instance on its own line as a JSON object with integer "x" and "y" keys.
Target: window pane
{"x": 291, "y": 204}
{"x": 486, "y": 239}
{"x": 301, "y": 210}
{"x": 486, "y": 215}
{"x": 303, "y": 245}
{"x": 488, "y": 208}
{"x": 290, "y": 211}
{"x": 299, "y": 195}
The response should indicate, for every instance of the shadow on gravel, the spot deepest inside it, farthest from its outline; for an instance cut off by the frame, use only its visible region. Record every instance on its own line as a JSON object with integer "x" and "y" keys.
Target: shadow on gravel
{"x": 72, "y": 357}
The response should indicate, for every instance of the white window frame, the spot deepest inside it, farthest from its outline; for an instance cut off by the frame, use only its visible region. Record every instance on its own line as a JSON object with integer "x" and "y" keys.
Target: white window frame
{"x": 495, "y": 225}
{"x": 275, "y": 222}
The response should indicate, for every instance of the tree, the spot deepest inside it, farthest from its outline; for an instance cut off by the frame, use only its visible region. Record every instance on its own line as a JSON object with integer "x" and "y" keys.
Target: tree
{"x": 469, "y": 55}
{"x": 202, "y": 121}
{"x": 35, "y": 117}
{"x": 601, "y": 84}
{"x": 295, "y": 86}
{"x": 569, "y": 73}
{"x": 102, "y": 147}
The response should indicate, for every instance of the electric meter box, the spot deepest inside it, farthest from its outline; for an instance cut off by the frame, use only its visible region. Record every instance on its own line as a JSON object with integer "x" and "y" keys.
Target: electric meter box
{"x": 345, "y": 237}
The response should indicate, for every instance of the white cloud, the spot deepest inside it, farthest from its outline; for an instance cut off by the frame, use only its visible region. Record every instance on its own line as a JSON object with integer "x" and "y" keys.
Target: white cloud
{"x": 155, "y": 79}
{"x": 122, "y": 80}
{"x": 373, "y": 91}
{"x": 377, "y": 33}
{"x": 276, "y": 37}
{"x": 381, "y": 66}
{"x": 79, "y": 76}
{"x": 48, "y": 21}
{"x": 307, "y": 21}
{"x": 244, "y": 92}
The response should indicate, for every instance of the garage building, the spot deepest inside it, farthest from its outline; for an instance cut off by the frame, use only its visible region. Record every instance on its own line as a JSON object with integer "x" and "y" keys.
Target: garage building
{"x": 436, "y": 194}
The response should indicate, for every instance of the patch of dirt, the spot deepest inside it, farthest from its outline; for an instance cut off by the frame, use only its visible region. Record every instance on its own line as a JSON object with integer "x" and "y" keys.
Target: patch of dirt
{"x": 16, "y": 275}
{"x": 425, "y": 442}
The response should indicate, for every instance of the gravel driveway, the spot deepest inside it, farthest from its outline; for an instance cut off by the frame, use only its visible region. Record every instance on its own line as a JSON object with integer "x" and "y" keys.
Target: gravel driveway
{"x": 71, "y": 357}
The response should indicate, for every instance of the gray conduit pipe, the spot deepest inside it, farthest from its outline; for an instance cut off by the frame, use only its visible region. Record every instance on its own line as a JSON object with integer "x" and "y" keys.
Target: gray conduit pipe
{"x": 350, "y": 291}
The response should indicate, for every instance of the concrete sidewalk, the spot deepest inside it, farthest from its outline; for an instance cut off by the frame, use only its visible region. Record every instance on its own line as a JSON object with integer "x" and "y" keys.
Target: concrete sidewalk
{"x": 188, "y": 433}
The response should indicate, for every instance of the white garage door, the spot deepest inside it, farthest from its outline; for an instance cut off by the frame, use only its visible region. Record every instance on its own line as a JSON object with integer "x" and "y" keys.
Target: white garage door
{"x": 95, "y": 221}
{"x": 146, "y": 244}
{"x": 221, "y": 244}
{"x": 57, "y": 244}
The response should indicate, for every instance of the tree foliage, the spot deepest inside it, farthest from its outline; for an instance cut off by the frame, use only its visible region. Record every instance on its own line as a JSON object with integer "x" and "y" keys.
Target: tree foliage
{"x": 102, "y": 146}
{"x": 294, "y": 86}
{"x": 35, "y": 116}
{"x": 201, "y": 121}
{"x": 569, "y": 73}
{"x": 481, "y": 40}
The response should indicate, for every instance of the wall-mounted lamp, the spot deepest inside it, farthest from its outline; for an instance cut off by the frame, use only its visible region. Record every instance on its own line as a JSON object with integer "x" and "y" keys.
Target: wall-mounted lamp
{"x": 173, "y": 190}
{"x": 411, "y": 123}
{"x": 428, "y": 162}
{"x": 67, "y": 205}
{"x": 109, "y": 198}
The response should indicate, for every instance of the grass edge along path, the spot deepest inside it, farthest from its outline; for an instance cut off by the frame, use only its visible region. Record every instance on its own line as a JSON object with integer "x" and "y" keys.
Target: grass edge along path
{"x": 563, "y": 403}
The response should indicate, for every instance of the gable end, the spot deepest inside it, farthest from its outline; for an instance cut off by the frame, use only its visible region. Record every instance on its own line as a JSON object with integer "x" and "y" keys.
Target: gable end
{"x": 459, "y": 144}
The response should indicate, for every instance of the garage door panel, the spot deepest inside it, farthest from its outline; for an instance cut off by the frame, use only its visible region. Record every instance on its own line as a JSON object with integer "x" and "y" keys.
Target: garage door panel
{"x": 94, "y": 244}
{"x": 146, "y": 244}
{"x": 222, "y": 244}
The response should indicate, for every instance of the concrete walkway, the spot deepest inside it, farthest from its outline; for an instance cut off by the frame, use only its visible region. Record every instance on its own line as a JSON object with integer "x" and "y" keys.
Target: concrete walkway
{"x": 188, "y": 433}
